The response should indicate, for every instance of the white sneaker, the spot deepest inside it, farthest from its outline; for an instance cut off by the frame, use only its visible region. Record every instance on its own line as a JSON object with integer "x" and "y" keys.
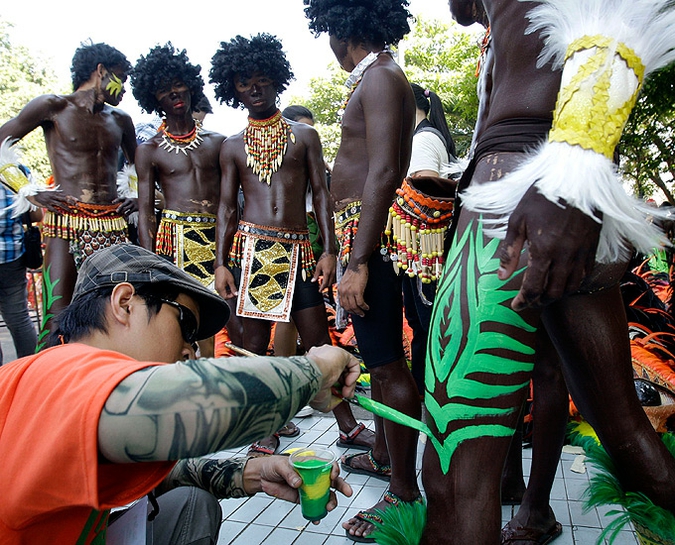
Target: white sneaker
{"x": 305, "y": 411}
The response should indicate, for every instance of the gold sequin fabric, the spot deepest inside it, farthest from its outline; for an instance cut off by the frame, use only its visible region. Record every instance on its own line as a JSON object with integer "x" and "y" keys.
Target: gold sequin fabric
{"x": 189, "y": 239}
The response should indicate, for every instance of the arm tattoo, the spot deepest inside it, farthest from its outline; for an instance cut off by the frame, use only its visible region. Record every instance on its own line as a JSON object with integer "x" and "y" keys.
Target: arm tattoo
{"x": 189, "y": 409}
{"x": 224, "y": 478}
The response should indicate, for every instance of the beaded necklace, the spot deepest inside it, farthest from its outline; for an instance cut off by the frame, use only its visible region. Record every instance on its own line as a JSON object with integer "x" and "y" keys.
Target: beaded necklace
{"x": 181, "y": 142}
{"x": 265, "y": 142}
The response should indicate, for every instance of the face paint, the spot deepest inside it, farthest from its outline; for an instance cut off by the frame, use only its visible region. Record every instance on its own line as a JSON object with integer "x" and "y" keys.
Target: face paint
{"x": 115, "y": 85}
{"x": 472, "y": 352}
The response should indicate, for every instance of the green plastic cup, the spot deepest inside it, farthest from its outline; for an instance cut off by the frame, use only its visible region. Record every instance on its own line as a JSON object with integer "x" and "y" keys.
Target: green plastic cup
{"x": 314, "y": 466}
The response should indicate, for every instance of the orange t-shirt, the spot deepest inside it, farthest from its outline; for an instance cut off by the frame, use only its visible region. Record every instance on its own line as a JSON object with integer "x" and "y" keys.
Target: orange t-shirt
{"x": 52, "y": 477}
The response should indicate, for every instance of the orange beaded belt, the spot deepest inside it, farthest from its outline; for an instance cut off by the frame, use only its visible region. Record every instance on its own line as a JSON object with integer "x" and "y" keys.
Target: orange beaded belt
{"x": 84, "y": 217}
{"x": 416, "y": 226}
{"x": 288, "y": 236}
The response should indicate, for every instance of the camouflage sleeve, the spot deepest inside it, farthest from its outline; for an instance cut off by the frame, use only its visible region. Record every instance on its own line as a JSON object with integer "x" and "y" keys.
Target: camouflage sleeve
{"x": 224, "y": 478}
{"x": 189, "y": 409}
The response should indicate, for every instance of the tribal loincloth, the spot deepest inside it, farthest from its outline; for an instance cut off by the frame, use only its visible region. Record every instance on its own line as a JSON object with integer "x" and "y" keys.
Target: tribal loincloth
{"x": 269, "y": 258}
{"x": 88, "y": 228}
{"x": 189, "y": 240}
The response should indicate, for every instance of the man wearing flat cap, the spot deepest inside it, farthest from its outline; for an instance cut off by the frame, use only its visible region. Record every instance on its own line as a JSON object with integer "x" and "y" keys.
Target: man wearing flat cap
{"x": 102, "y": 418}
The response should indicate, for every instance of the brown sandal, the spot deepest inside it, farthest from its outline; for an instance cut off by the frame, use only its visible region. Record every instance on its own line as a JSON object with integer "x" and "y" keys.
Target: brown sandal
{"x": 260, "y": 449}
{"x": 379, "y": 471}
{"x": 347, "y": 440}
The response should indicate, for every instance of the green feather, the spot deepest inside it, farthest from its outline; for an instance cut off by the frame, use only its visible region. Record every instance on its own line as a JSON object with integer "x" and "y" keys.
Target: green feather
{"x": 401, "y": 524}
{"x": 605, "y": 489}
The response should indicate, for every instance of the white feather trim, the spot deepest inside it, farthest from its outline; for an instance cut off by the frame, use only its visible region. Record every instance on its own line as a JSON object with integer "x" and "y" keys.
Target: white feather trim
{"x": 127, "y": 188}
{"x": 646, "y": 26}
{"x": 9, "y": 155}
{"x": 127, "y": 182}
{"x": 587, "y": 181}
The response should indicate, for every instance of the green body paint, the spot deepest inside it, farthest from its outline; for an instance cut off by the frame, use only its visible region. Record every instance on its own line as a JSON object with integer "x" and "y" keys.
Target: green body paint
{"x": 466, "y": 362}
{"x": 115, "y": 85}
{"x": 48, "y": 299}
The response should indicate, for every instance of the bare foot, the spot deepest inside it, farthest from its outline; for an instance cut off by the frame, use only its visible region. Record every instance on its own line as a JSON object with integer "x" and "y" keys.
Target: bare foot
{"x": 360, "y": 525}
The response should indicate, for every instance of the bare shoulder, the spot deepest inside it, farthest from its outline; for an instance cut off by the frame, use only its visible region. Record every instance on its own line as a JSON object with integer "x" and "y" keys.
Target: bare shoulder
{"x": 215, "y": 137}
{"x": 232, "y": 145}
{"x": 50, "y": 104}
{"x": 384, "y": 76}
{"x": 116, "y": 113}
{"x": 304, "y": 133}
{"x": 147, "y": 148}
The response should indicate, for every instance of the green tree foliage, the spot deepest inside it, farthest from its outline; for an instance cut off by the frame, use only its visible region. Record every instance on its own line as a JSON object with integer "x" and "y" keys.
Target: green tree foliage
{"x": 24, "y": 77}
{"x": 436, "y": 55}
{"x": 326, "y": 97}
{"x": 648, "y": 142}
{"x": 442, "y": 58}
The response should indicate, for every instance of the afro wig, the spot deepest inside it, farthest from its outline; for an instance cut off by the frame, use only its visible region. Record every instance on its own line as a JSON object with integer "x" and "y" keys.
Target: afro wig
{"x": 243, "y": 57}
{"x": 362, "y": 21}
{"x": 158, "y": 69}
{"x": 89, "y": 55}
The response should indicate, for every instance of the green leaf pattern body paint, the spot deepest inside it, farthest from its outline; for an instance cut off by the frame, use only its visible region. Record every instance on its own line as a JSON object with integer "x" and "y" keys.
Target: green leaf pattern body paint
{"x": 472, "y": 332}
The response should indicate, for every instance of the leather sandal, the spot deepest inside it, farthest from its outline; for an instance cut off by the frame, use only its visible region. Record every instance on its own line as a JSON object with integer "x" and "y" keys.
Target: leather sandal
{"x": 379, "y": 471}
{"x": 347, "y": 440}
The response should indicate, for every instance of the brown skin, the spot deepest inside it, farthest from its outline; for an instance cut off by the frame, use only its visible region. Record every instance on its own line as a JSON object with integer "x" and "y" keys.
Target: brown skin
{"x": 373, "y": 158}
{"x": 278, "y": 204}
{"x": 189, "y": 183}
{"x": 560, "y": 261}
{"x": 83, "y": 134}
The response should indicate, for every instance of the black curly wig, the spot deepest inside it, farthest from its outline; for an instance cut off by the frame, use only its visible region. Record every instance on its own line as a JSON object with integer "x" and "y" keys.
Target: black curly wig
{"x": 244, "y": 57}
{"x": 89, "y": 55}
{"x": 362, "y": 21}
{"x": 159, "y": 68}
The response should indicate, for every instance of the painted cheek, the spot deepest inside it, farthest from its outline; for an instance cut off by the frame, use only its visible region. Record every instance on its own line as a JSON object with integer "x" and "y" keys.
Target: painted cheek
{"x": 114, "y": 86}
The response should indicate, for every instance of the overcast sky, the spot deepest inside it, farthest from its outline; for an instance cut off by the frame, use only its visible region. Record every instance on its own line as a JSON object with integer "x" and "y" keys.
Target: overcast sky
{"x": 55, "y": 29}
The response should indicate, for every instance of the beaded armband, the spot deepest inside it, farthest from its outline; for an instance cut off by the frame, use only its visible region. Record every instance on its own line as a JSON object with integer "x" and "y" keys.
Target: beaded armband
{"x": 16, "y": 181}
{"x": 600, "y": 84}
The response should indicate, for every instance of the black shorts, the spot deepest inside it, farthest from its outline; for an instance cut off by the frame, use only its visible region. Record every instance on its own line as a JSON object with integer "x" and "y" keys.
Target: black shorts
{"x": 379, "y": 334}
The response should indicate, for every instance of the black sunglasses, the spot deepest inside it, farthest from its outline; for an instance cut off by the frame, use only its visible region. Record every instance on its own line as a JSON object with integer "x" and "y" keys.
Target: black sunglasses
{"x": 186, "y": 319}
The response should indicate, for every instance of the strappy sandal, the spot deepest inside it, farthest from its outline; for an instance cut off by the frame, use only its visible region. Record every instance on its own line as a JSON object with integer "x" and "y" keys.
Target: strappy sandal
{"x": 379, "y": 471}
{"x": 258, "y": 449}
{"x": 346, "y": 440}
{"x": 372, "y": 518}
{"x": 289, "y": 430}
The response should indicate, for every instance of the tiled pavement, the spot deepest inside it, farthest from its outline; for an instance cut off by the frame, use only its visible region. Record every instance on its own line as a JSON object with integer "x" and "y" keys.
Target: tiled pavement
{"x": 263, "y": 520}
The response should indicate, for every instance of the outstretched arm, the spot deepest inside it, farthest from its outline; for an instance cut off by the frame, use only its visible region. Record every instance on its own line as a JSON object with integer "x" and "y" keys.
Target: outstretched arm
{"x": 190, "y": 409}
